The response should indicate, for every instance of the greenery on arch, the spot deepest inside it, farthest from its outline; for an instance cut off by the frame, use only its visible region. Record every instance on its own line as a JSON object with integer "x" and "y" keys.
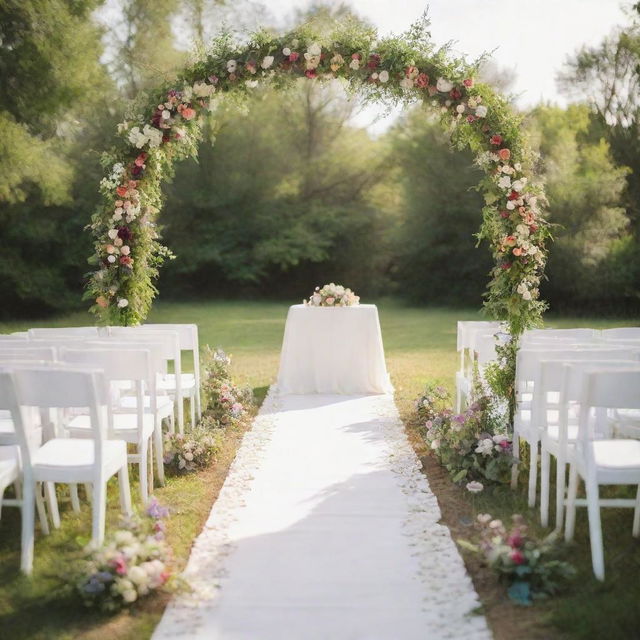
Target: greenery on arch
{"x": 165, "y": 127}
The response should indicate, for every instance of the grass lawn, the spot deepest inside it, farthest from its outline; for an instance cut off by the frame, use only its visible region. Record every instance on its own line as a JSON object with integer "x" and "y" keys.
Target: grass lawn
{"x": 420, "y": 345}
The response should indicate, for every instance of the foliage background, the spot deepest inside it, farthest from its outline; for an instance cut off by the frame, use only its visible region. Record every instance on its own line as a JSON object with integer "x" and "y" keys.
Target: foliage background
{"x": 287, "y": 192}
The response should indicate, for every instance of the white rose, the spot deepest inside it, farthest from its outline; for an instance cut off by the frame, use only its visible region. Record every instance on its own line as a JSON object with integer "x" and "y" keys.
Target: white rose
{"x": 504, "y": 182}
{"x": 252, "y": 84}
{"x": 511, "y": 205}
{"x": 203, "y": 90}
{"x": 112, "y": 233}
{"x": 444, "y": 85}
{"x": 354, "y": 64}
{"x": 523, "y": 230}
{"x": 316, "y": 299}
{"x": 406, "y": 83}
{"x": 232, "y": 65}
{"x": 383, "y": 76}
{"x": 125, "y": 250}
{"x": 481, "y": 111}
{"x": 267, "y": 62}
{"x": 460, "y": 108}
{"x": 286, "y": 52}
{"x": 123, "y": 302}
{"x": 137, "y": 575}
{"x": 129, "y": 595}
{"x": 518, "y": 185}
{"x": 166, "y": 114}
{"x": 315, "y": 49}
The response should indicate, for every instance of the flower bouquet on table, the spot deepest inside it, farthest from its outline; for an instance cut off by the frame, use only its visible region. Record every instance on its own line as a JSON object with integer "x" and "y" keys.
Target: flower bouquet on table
{"x": 332, "y": 295}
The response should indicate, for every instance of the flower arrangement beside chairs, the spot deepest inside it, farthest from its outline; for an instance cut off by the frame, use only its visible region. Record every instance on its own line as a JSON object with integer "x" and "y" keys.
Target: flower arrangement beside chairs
{"x": 603, "y": 461}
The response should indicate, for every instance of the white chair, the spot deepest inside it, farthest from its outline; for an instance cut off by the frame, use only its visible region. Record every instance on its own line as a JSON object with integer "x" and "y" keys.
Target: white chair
{"x": 171, "y": 353}
{"x": 604, "y": 462}
{"x": 188, "y": 338}
{"x": 466, "y": 331}
{"x": 156, "y": 404}
{"x": 68, "y": 460}
{"x": 527, "y": 372}
{"x": 134, "y": 366}
{"x": 558, "y": 436}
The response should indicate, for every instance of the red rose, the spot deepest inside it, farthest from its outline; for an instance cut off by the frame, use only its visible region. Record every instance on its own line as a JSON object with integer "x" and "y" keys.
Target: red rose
{"x": 514, "y": 195}
{"x": 496, "y": 139}
{"x": 533, "y": 228}
{"x": 471, "y": 118}
{"x": 310, "y": 73}
{"x": 504, "y": 154}
{"x": 141, "y": 159}
{"x": 505, "y": 265}
{"x": 126, "y": 261}
{"x": 517, "y": 557}
{"x": 374, "y": 61}
{"x": 468, "y": 82}
{"x": 121, "y": 191}
{"x": 455, "y": 94}
{"x": 422, "y": 80}
{"x": 293, "y": 56}
{"x": 504, "y": 214}
{"x": 515, "y": 540}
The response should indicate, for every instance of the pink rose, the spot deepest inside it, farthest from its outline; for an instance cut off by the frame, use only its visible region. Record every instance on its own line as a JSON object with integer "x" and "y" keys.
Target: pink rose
{"x": 330, "y": 301}
{"x": 517, "y": 557}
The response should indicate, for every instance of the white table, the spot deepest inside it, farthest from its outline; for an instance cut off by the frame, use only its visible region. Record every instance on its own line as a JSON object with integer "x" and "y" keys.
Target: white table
{"x": 333, "y": 350}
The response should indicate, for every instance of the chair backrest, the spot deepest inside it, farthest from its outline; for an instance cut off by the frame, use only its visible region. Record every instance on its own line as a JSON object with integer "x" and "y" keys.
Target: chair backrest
{"x": 583, "y": 334}
{"x": 168, "y": 339}
{"x": 26, "y": 352}
{"x": 61, "y": 388}
{"x": 187, "y": 333}
{"x": 621, "y": 333}
{"x": 484, "y": 345}
{"x": 601, "y": 390}
{"x": 54, "y": 332}
{"x": 528, "y": 360}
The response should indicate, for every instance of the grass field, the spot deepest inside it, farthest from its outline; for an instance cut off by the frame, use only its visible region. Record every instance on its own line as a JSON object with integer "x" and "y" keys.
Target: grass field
{"x": 419, "y": 345}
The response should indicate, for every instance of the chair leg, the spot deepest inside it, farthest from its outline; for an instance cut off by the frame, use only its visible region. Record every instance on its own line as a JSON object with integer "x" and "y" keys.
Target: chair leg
{"x": 42, "y": 512}
{"x": 52, "y": 503}
{"x": 192, "y": 408}
{"x": 636, "y": 516}
{"x": 180, "y": 407}
{"x": 88, "y": 489}
{"x": 144, "y": 472}
{"x": 27, "y": 536}
{"x": 458, "y": 397}
{"x": 159, "y": 452}
{"x": 99, "y": 508}
{"x": 570, "y": 526}
{"x": 75, "y": 500}
{"x": 516, "y": 465}
{"x": 533, "y": 473}
{"x": 560, "y": 489}
{"x": 545, "y": 472}
{"x": 595, "y": 527}
{"x": 125, "y": 489}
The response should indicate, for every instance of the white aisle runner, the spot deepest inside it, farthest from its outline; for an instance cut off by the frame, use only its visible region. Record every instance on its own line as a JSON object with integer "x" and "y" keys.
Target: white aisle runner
{"x": 325, "y": 529}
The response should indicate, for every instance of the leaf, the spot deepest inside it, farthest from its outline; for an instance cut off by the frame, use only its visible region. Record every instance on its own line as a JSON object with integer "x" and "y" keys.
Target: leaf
{"x": 460, "y": 475}
{"x": 520, "y": 593}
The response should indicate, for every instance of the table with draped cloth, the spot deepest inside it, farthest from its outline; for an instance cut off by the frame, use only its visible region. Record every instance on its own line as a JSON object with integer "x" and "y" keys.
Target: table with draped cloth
{"x": 333, "y": 350}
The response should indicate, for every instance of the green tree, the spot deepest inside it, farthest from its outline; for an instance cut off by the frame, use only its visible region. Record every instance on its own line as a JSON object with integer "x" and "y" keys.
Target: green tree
{"x": 438, "y": 260}
{"x": 55, "y": 101}
{"x": 585, "y": 189}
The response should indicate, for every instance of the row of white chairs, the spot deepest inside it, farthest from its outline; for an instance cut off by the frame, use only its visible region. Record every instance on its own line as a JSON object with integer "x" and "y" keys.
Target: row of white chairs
{"x": 135, "y": 395}
{"x": 578, "y": 400}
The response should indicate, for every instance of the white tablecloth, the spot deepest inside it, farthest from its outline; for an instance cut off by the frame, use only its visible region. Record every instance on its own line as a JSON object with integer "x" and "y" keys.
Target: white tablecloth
{"x": 333, "y": 350}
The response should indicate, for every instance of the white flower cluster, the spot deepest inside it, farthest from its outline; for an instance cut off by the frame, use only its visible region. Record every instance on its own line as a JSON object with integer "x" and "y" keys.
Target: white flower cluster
{"x": 110, "y": 182}
{"x": 486, "y": 446}
{"x": 148, "y": 135}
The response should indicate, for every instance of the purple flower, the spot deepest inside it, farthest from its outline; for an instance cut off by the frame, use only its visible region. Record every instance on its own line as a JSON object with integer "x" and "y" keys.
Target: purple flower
{"x": 155, "y": 510}
{"x": 460, "y": 419}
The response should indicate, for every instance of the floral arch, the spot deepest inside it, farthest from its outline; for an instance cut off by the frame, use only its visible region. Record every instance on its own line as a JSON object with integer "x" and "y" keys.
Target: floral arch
{"x": 166, "y": 128}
